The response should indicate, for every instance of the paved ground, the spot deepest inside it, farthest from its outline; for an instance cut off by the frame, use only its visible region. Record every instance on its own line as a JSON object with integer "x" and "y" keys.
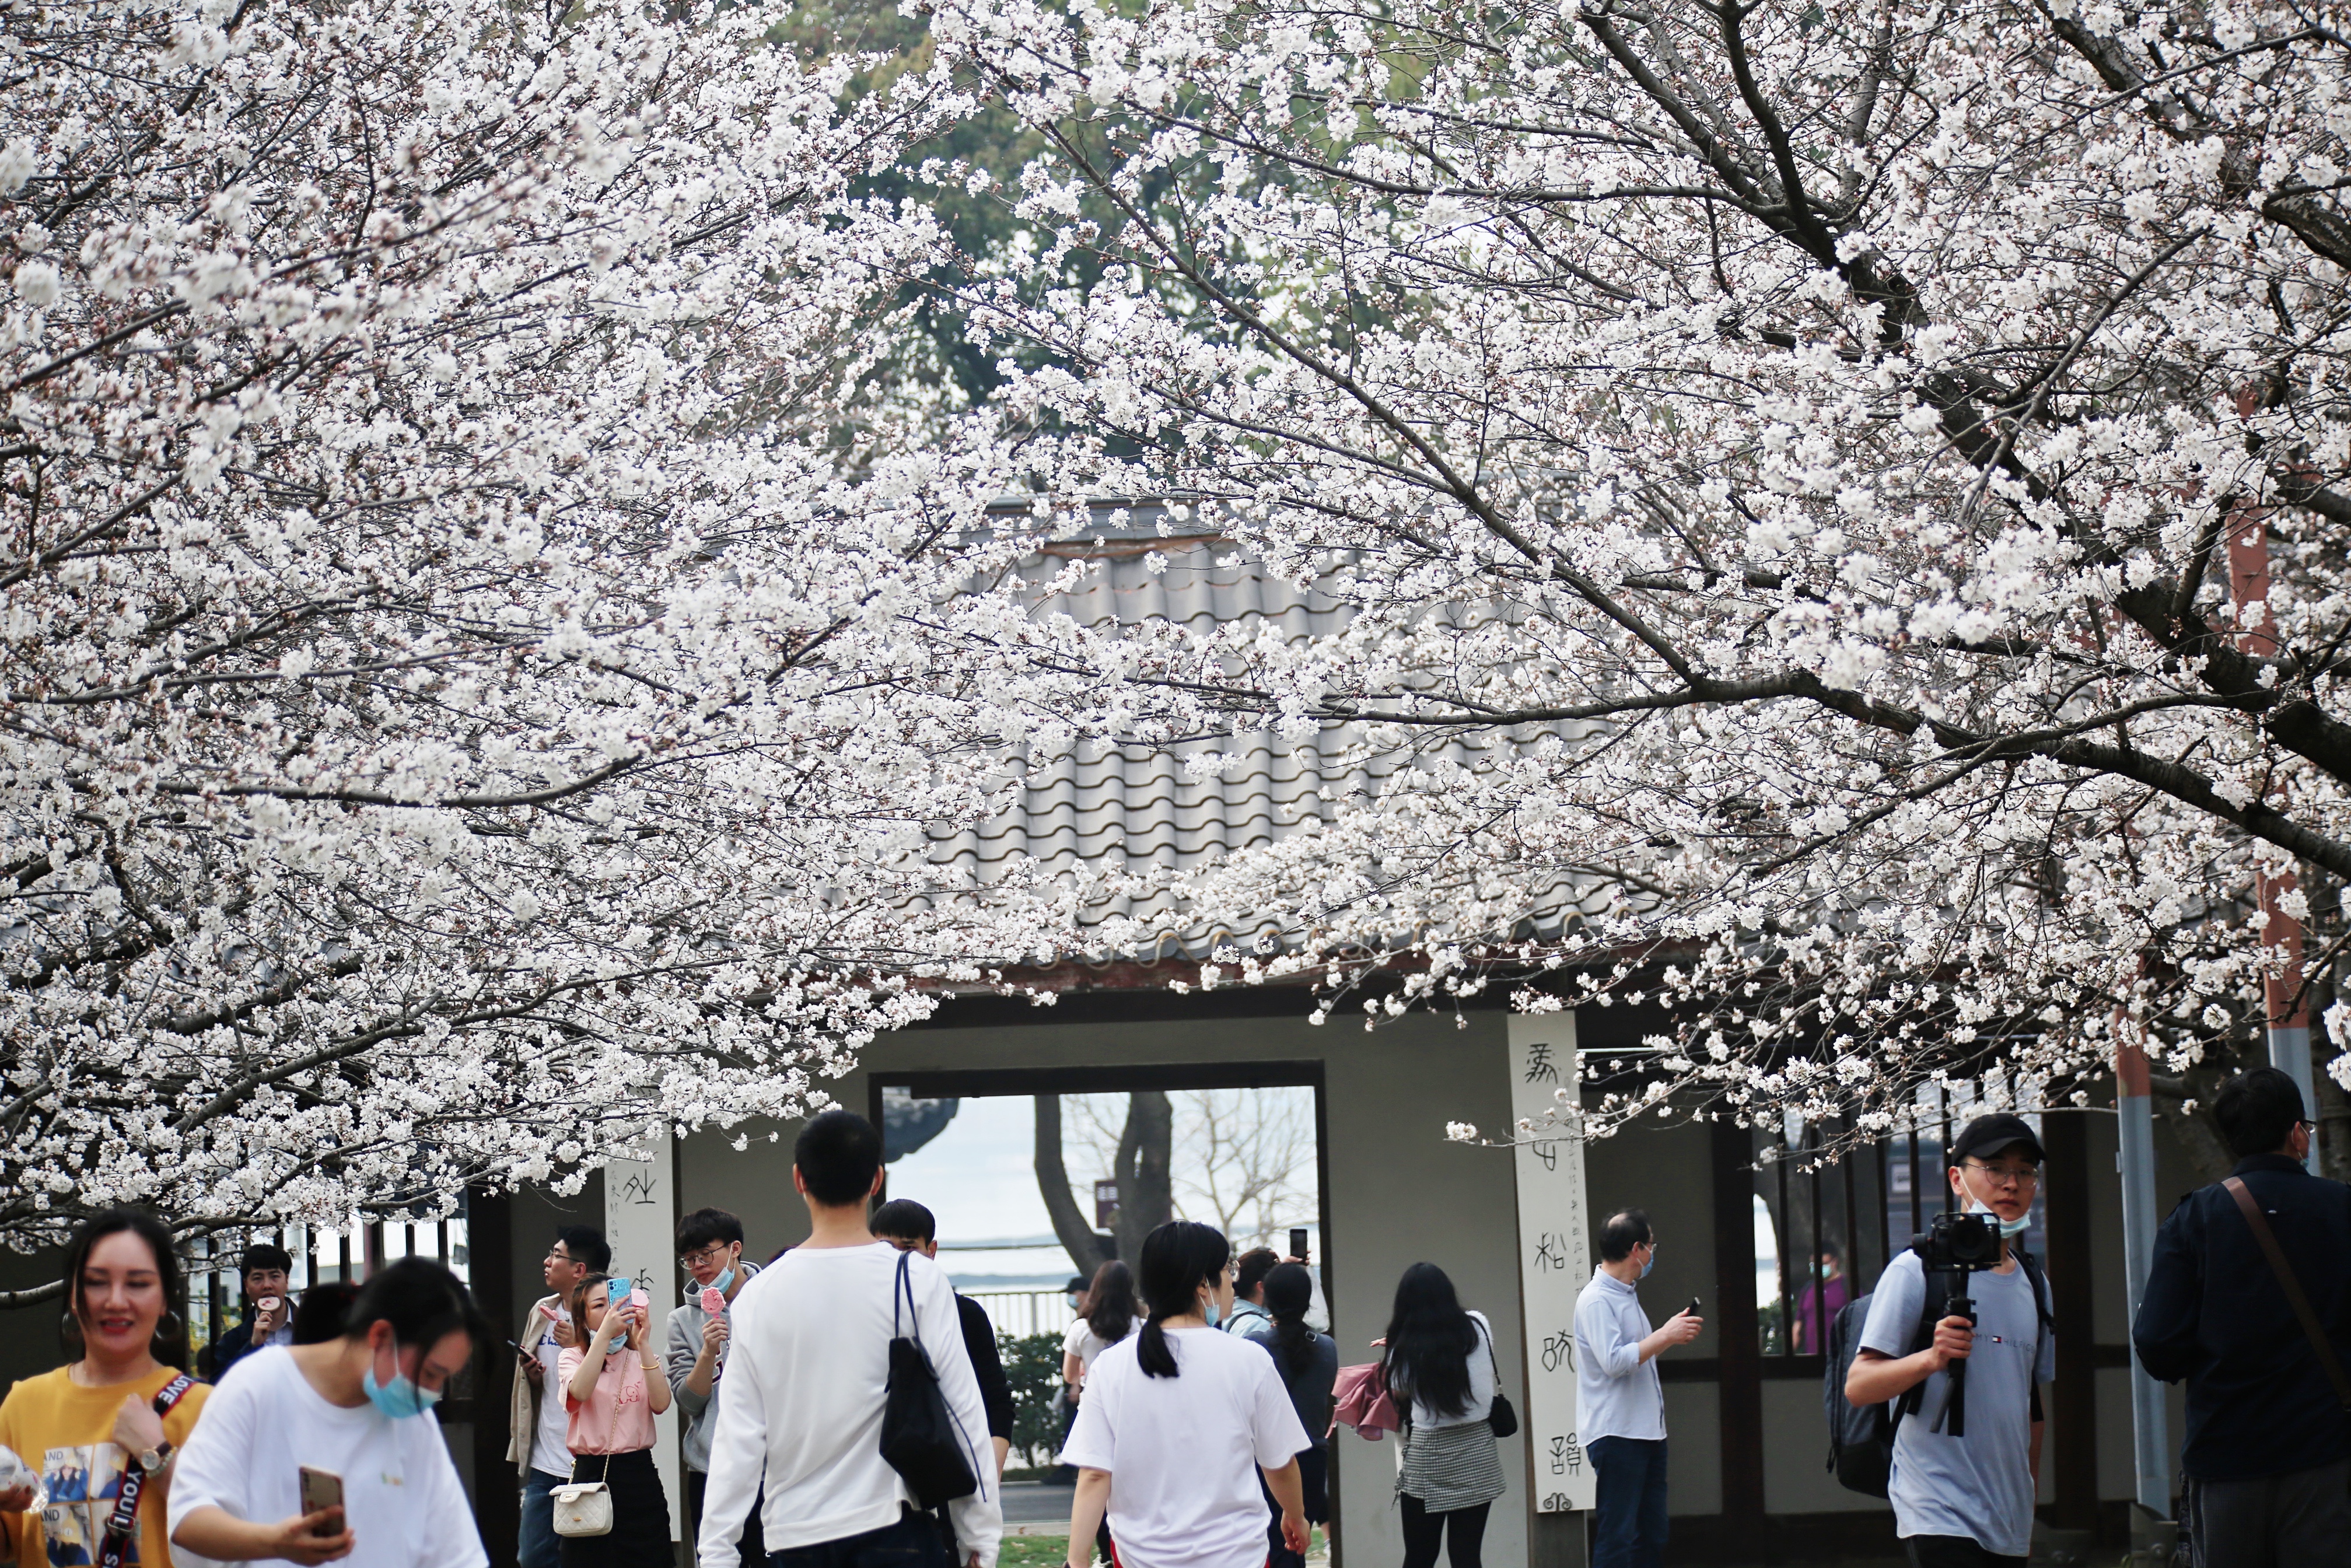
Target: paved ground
{"x": 1030, "y": 1503}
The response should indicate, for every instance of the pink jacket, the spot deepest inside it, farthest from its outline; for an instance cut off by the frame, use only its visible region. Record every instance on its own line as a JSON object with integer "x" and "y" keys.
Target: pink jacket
{"x": 1360, "y": 1399}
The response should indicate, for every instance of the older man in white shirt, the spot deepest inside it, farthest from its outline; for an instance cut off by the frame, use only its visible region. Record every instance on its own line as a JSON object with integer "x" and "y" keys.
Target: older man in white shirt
{"x": 1622, "y": 1404}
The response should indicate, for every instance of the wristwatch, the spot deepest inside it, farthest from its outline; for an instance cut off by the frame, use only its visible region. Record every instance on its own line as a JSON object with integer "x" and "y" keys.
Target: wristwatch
{"x": 153, "y": 1460}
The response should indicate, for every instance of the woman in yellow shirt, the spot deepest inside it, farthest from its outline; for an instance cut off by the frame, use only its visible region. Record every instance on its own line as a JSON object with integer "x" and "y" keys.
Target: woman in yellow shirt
{"x": 92, "y": 1427}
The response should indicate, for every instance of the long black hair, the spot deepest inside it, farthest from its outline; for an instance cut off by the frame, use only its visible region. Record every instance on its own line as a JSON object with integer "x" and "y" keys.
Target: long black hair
{"x": 1429, "y": 1341}
{"x": 1109, "y": 1307}
{"x": 170, "y": 1345}
{"x": 1289, "y": 1291}
{"x": 1178, "y": 1258}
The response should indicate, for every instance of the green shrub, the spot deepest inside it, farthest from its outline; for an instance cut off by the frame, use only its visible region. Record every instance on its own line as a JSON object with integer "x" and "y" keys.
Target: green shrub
{"x": 1032, "y": 1365}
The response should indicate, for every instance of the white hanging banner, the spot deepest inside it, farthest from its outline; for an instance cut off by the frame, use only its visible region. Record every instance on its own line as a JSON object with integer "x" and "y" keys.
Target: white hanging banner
{"x": 641, "y": 1222}
{"x": 1554, "y": 1252}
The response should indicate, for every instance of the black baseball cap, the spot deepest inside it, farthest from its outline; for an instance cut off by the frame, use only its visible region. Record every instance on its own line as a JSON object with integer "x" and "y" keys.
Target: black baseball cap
{"x": 1987, "y": 1135}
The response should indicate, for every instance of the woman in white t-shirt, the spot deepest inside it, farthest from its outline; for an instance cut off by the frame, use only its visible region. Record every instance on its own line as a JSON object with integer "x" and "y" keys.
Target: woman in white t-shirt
{"x": 1180, "y": 1421}
{"x": 1107, "y": 1314}
{"x": 352, "y": 1407}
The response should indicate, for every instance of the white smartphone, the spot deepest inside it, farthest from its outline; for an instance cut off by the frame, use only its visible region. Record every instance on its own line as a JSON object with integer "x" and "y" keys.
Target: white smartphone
{"x": 322, "y": 1488}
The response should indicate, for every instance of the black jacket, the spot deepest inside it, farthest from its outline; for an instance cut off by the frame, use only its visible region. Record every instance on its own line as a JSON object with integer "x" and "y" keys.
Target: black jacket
{"x": 2258, "y": 1402}
{"x": 988, "y": 1365}
{"x": 215, "y": 1360}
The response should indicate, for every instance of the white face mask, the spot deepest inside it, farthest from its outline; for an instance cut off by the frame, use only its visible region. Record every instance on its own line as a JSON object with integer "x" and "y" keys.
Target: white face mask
{"x": 2017, "y": 1226}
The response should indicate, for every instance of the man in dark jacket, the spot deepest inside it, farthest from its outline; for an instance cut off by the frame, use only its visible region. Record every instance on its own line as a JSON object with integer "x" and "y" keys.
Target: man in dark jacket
{"x": 911, "y": 1227}
{"x": 2268, "y": 1456}
{"x": 268, "y": 1316}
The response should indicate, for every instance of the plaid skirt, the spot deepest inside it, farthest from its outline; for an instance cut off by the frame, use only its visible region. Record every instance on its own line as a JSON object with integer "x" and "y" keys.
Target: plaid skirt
{"x": 1450, "y": 1467}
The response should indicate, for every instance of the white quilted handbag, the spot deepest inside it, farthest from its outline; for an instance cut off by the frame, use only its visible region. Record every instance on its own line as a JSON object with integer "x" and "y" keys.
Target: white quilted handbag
{"x": 583, "y": 1509}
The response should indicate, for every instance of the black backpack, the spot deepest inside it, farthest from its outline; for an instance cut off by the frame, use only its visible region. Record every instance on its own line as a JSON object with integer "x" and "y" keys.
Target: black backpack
{"x": 1861, "y": 1440}
{"x": 921, "y": 1438}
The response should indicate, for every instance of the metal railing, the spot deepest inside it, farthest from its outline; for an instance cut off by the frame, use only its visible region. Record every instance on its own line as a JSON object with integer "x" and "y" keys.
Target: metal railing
{"x": 1024, "y": 1311}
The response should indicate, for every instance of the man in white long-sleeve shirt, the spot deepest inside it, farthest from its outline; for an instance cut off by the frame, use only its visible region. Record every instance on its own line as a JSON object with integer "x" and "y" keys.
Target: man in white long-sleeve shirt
{"x": 1621, "y": 1404}
{"x": 806, "y": 1377}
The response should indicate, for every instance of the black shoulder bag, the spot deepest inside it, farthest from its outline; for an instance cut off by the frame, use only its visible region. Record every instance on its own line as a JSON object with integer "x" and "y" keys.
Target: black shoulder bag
{"x": 1501, "y": 1414}
{"x": 921, "y": 1438}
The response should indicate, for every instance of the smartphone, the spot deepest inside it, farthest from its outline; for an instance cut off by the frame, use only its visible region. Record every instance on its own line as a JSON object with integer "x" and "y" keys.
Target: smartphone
{"x": 1298, "y": 1241}
{"x": 322, "y": 1488}
{"x": 1693, "y": 1306}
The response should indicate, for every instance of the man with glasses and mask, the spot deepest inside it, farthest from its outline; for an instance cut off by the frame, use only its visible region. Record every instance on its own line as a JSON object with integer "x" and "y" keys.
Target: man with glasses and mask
{"x": 2268, "y": 1455}
{"x": 710, "y": 1252}
{"x": 536, "y": 1416}
{"x": 1966, "y": 1500}
{"x": 1620, "y": 1401}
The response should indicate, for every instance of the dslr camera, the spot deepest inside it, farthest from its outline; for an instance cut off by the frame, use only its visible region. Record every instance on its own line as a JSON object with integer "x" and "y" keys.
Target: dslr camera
{"x": 1958, "y": 1244}
{"x": 1953, "y": 1247}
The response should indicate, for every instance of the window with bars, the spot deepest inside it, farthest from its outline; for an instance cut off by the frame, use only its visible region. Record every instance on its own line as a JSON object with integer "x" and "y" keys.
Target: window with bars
{"x": 1825, "y": 1228}
{"x": 217, "y": 1289}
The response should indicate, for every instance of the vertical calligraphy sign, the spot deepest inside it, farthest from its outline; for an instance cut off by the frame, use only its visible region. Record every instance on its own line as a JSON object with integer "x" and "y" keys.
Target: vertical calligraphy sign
{"x": 1554, "y": 1255}
{"x": 641, "y": 1222}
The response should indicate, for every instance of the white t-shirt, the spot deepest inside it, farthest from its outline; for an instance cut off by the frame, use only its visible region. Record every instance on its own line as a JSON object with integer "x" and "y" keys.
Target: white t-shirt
{"x": 401, "y": 1493}
{"x": 1183, "y": 1452}
{"x": 807, "y": 1370}
{"x": 548, "y": 1452}
{"x": 1081, "y": 1341}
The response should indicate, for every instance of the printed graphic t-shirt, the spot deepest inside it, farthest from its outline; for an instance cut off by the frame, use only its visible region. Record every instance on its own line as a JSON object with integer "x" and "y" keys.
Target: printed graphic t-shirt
{"x": 401, "y": 1491}
{"x": 67, "y": 1430}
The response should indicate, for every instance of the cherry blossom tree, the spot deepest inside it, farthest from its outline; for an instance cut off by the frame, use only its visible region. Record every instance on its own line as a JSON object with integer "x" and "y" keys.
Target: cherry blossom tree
{"x": 1876, "y": 467}
{"x": 485, "y": 577}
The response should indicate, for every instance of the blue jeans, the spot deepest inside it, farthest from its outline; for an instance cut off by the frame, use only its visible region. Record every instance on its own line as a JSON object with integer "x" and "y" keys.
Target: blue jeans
{"x": 1630, "y": 1530}
{"x": 539, "y": 1547}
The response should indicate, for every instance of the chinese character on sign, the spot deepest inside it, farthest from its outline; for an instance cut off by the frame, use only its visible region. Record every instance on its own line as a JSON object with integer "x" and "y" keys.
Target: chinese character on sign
{"x": 1555, "y": 1502}
{"x": 1559, "y": 1350}
{"x": 1550, "y": 1251}
{"x": 1540, "y": 1068}
{"x": 637, "y": 1190}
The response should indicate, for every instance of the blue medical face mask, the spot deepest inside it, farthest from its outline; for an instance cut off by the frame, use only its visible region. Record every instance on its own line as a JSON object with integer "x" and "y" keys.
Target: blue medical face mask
{"x": 402, "y": 1398}
{"x": 1650, "y": 1264}
{"x": 725, "y": 1283}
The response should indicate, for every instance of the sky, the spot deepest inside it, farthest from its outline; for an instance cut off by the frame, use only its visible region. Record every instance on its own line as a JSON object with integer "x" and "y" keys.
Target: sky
{"x": 978, "y": 1178}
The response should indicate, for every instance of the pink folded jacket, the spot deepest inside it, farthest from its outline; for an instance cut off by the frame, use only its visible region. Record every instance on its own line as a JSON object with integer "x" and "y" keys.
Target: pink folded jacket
{"x": 1360, "y": 1399}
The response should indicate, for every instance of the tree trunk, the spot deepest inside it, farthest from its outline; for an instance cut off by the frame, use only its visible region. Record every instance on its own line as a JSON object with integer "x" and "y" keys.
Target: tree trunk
{"x": 1146, "y": 1186}
{"x": 1078, "y": 1239}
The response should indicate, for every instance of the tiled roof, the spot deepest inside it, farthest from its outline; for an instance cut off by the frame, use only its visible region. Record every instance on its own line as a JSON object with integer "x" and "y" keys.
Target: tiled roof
{"x": 1138, "y": 808}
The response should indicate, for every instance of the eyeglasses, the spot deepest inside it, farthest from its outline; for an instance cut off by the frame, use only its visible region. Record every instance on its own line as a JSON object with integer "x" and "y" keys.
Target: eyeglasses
{"x": 688, "y": 1262}
{"x": 2000, "y": 1176}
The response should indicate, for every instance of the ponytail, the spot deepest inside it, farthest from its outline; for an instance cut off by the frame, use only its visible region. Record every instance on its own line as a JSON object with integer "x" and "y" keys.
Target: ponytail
{"x": 1177, "y": 1259}
{"x": 1288, "y": 1291}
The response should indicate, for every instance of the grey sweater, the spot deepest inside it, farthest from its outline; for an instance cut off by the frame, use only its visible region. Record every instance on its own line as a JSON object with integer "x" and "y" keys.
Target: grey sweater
{"x": 680, "y": 1347}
